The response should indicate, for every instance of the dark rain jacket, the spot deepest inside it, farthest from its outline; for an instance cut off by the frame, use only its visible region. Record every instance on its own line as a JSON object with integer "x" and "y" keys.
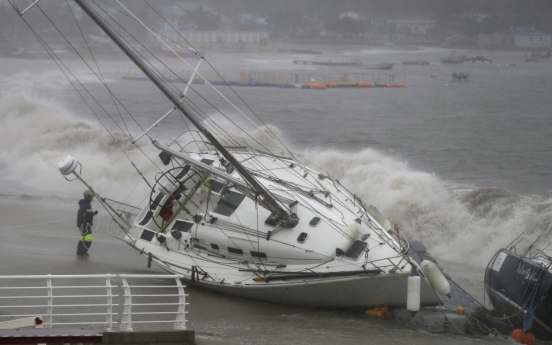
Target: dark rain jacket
{"x": 85, "y": 216}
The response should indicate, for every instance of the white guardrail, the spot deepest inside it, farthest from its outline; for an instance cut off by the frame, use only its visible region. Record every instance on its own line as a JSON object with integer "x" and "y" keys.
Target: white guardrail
{"x": 80, "y": 304}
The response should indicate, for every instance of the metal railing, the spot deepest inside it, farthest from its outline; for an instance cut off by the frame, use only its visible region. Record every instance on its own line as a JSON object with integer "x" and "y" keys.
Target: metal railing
{"x": 57, "y": 307}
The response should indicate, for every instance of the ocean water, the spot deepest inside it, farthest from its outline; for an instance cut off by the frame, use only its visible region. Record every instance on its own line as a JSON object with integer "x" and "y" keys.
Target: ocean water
{"x": 464, "y": 167}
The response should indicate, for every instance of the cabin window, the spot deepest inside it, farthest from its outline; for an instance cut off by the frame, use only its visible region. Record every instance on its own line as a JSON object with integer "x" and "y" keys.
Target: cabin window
{"x": 207, "y": 161}
{"x": 229, "y": 203}
{"x": 215, "y": 246}
{"x": 314, "y": 221}
{"x": 258, "y": 255}
{"x": 182, "y": 172}
{"x": 147, "y": 235}
{"x": 216, "y": 186}
{"x": 235, "y": 251}
{"x": 302, "y": 237}
{"x": 147, "y": 218}
{"x": 182, "y": 226}
{"x": 356, "y": 249}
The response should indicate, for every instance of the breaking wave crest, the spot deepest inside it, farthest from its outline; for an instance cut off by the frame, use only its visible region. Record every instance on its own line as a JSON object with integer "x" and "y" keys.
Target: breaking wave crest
{"x": 36, "y": 133}
{"x": 456, "y": 222}
{"x": 460, "y": 223}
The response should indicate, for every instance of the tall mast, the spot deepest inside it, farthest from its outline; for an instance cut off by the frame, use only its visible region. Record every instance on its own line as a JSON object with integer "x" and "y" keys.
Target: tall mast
{"x": 289, "y": 219}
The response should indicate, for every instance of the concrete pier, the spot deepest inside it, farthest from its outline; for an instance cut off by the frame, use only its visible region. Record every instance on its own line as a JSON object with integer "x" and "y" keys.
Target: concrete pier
{"x": 84, "y": 336}
{"x": 146, "y": 338}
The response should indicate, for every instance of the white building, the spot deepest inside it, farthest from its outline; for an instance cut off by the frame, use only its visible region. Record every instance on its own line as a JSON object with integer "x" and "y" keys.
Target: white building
{"x": 417, "y": 25}
{"x": 218, "y": 36}
{"x": 532, "y": 39}
{"x": 501, "y": 40}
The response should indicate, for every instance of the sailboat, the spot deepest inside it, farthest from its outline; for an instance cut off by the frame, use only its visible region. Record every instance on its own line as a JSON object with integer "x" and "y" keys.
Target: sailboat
{"x": 246, "y": 218}
{"x": 519, "y": 284}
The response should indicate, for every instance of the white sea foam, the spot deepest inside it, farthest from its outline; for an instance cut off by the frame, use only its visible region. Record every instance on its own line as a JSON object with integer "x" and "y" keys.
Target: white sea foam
{"x": 456, "y": 222}
{"x": 36, "y": 133}
{"x": 49, "y": 79}
{"x": 466, "y": 227}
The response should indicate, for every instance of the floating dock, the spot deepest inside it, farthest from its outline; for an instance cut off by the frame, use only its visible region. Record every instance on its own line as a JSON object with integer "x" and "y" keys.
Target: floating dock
{"x": 84, "y": 336}
{"x": 285, "y": 80}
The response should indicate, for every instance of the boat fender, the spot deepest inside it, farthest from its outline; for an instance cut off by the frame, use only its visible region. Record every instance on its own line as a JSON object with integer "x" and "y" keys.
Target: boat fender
{"x": 380, "y": 218}
{"x": 413, "y": 294}
{"x": 528, "y": 320}
{"x": 436, "y": 278}
{"x": 522, "y": 337}
{"x": 351, "y": 232}
{"x": 380, "y": 312}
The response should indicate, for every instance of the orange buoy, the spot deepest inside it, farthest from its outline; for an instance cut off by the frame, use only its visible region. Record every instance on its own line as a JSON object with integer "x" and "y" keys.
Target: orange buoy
{"x": 380, "y": 312}
{"x": 319, "y": 86}
{"x": 460, "y": 309}
{"x": 365, "y": 84}
{"x": 519, "y": 336}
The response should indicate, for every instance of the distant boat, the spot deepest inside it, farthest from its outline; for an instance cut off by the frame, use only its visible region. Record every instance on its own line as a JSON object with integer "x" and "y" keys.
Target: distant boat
{"x": 298, "y": 51}
{"x": 477, "y": 58}
{"x": 380, "y": 66}
{"x": 327, "y": 63}
{"x": 450, "y": 60}
{"x": 415, "y": 62}
{"x": 460, "y": 76}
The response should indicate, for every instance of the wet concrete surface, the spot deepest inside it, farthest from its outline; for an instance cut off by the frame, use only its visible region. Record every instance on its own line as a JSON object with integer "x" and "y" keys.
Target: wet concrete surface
{"x": 29, "y": 247}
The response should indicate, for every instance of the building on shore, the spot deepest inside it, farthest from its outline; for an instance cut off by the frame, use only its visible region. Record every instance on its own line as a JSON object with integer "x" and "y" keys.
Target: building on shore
{"x": 496, "y": 40}
{"x": 531, "y": 39}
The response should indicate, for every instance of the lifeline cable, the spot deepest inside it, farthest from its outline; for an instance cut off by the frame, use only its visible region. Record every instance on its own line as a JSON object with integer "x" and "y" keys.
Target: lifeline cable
{"x": 29, "y": 225}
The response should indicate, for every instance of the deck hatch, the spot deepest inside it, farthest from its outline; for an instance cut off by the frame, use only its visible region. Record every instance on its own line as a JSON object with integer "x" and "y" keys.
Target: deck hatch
{"x": 207, "y": 161}
{"x": 229, "y": 203}
{"x": 182, "y": 226}
{"x": 356, "y": 249}
{"x": 147, "y": 235}
{"x": 272, "y": 220}
{"x": 216, "y": 186}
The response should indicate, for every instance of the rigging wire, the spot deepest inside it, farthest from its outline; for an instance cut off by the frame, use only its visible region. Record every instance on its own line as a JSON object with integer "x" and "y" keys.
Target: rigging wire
{"x": 51, "y": 52}
{"x": 99, "y": 70}
{"x": 60, "y": 63}
{"x": 220, "y": 76}
{"x": 206, "y": 118}
{"x": 152, "y": 31}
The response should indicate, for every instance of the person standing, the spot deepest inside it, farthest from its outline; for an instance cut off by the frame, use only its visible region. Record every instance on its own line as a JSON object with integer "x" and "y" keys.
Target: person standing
{"x": 85, "y": 219}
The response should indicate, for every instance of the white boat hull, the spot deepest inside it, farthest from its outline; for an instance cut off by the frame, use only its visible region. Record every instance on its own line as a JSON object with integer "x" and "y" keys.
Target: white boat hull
{"x": 350, "y": 292}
